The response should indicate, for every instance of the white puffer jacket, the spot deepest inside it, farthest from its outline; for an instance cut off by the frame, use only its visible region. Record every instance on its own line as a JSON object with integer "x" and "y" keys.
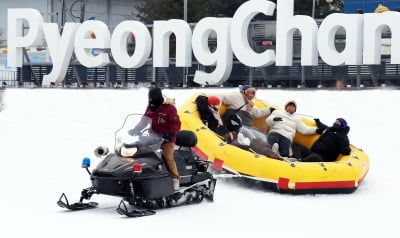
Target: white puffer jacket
{"x": 289, "y": 125}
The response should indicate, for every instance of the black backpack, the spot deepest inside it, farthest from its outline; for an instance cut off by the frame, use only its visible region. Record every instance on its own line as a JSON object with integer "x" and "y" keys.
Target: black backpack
{"x": 232, "y": 121}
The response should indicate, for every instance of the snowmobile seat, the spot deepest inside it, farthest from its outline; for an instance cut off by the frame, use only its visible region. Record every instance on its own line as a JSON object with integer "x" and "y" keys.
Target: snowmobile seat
{"x": 184, "y": 157}
{"x": 186, "y": 138}
{"x": 144, "y": 154}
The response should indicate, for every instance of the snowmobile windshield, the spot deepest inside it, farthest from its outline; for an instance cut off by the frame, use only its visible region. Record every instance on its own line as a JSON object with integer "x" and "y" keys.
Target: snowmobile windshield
{"x": 136, "y": 134}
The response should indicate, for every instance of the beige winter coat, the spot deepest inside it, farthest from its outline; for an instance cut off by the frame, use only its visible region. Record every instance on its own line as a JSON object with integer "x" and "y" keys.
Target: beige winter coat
{"x": 289, "y": 125}
{"x": 236, "y": 100}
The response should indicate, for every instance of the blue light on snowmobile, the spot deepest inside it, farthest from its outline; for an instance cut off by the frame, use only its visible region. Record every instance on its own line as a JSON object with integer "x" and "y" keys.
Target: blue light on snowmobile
{"x": 86, "y": 162}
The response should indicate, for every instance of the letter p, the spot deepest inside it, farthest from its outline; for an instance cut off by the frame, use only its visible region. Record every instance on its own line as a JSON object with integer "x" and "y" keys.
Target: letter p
{"x": 15, "y": 36}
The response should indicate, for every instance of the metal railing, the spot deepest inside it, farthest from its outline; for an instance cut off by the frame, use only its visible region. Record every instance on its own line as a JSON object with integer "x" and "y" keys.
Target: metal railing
{"x": 8, "y": 77}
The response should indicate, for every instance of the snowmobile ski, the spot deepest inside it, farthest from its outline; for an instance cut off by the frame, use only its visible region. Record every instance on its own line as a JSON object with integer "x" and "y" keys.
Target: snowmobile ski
{"x": 75, "y": 206}
{"x": 123, "y": 210}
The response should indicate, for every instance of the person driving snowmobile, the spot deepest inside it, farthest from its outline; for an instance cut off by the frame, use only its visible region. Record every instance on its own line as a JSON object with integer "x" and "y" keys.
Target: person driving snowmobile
{"x": 166, "y": 122}
{"x": 137, "y": 172}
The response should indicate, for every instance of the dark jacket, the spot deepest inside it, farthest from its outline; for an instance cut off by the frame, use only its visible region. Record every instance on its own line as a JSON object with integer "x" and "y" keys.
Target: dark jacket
{"x": 164, "y": 120}
{"x": 332, "y": 142}
{"x": 207, "y": 116}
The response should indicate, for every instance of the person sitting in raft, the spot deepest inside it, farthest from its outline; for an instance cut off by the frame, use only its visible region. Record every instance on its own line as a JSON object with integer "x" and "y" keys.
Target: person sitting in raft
{"x": 242, "y": 101}
{"x": 231, "y": 132}
{"x": 332, "y": 142}
{"x": 283, "y": 125}
{"x": 208, "y": 108}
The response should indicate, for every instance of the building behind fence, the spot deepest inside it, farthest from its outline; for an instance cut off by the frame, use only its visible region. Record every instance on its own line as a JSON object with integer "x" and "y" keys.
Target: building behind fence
{"x": 261, "y": 37}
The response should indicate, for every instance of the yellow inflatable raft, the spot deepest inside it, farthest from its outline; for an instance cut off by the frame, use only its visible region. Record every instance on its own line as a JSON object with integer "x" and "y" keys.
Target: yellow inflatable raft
{"x": 344, "y": 175}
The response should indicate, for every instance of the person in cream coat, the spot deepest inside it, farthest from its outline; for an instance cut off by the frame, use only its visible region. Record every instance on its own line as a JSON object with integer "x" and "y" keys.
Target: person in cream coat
{"x": 283, "y": 125}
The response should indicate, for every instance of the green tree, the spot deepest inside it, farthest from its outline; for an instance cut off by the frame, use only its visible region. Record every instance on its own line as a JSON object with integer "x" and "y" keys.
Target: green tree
{"x": 224, "y": 8}
{"x": 322, "y": 7}
{"x": 303, "y": 7}
{"x": 150, "y": 10}
{"x": 327, "y": 7}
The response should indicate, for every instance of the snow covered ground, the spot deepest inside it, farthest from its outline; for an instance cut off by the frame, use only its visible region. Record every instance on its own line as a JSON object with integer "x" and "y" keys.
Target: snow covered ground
{"x": 45, "y": 133}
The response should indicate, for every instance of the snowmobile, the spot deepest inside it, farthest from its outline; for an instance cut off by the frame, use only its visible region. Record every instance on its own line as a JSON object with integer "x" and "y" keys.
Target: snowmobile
{"x": 136, "y": 172}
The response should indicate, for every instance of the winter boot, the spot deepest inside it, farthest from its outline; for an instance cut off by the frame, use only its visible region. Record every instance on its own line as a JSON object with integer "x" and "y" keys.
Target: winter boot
{"x": 275, "y": 148}
{"x": 175, "y": 182}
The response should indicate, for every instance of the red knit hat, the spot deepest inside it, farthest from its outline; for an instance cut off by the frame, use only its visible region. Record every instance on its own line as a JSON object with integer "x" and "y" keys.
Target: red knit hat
{"x": 213, "y": 100}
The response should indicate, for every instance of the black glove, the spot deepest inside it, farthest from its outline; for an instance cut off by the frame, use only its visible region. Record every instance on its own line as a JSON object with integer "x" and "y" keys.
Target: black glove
{"x": 320, "y": 125}
{"x": 271, "y": 109}
{"x": 319, "y": 131}
{"x": 277, "y": 119}
{"x": 346, "y": 151}
{"x": 133, "y": 132}
{"x": 168, "y": 136}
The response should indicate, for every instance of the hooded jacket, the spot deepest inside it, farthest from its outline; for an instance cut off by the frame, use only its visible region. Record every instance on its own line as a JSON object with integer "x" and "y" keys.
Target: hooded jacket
{"x": 209, "y": 116}
{"x": 289, "y": 125}
{"x": 332, "y": 142}
{"x": 164, "y": 117}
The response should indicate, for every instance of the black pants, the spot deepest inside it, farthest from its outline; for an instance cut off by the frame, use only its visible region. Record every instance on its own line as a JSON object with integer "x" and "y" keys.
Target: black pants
{"x": 304, "y": 154}
{"x": 283, "y": 142}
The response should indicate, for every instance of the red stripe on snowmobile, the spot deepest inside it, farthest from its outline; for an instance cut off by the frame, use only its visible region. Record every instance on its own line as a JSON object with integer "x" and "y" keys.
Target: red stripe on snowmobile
{"x": 283, "y": 183}
{"x": 335, "y": 184}
{"x": 217, "y": 164}
{"x": 200, "y": 153}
